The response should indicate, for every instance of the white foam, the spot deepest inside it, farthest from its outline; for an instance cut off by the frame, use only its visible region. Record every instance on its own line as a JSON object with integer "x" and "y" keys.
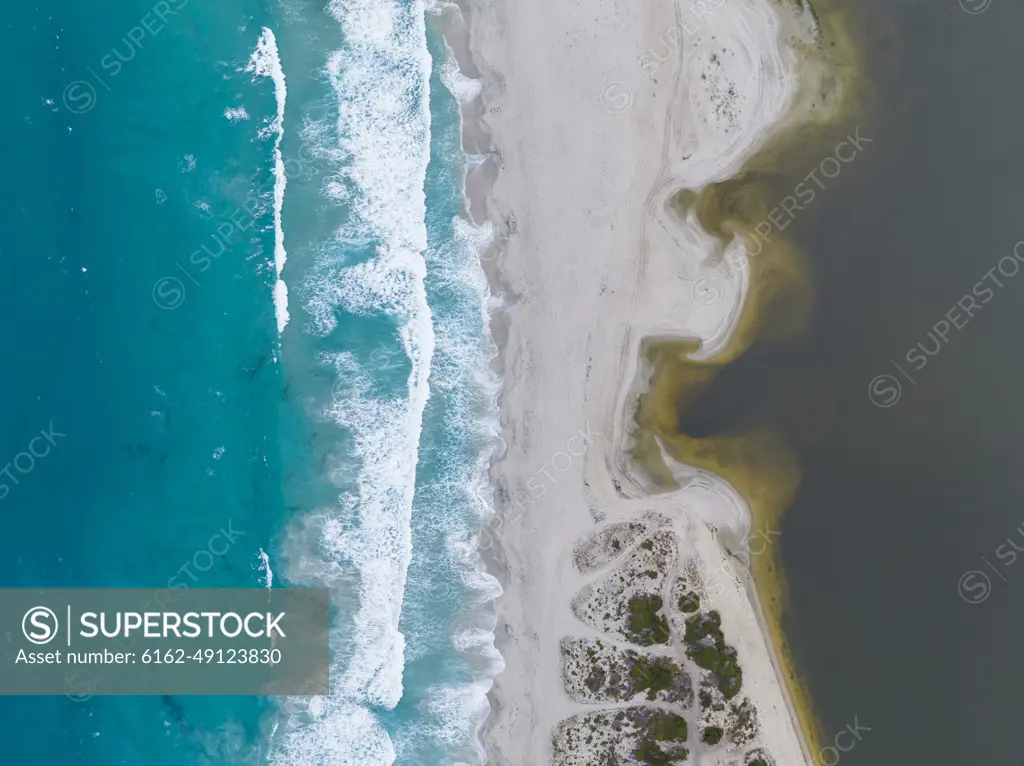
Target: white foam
{"x": 459, "y": 501}
{"x": 281, "y": 302}
{"x": 236, "y": 113}
{"x": 337, "y": 733}
{"x": 381, "y": 85}
{"x": 465, "y": 350}
{"x": 465, "y": 89}
{"x": 266, "y": 62}
{"x": 268, "y": 578}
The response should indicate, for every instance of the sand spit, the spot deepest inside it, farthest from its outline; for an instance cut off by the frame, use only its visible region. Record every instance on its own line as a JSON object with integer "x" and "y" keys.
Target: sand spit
{"x": 624, "y": 619}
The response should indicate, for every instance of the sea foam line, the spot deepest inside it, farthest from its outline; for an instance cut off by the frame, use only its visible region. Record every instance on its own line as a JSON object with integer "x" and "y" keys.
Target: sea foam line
{"x": 266, "y": 62}
{"x": 382, "y": 132}
{"x": 459, "y": 498}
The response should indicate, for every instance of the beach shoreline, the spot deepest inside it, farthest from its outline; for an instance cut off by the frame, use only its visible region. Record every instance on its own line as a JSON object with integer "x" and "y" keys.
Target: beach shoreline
{"x": 613, "y": 135}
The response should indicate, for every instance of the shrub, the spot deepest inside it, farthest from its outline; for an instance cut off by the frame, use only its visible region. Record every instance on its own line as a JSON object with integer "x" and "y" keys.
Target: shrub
{"x": 645, "y": 625}
{"x": 689, "y": 602}
{"x": 712, "y": 735}
{"x": 705, "y": 645}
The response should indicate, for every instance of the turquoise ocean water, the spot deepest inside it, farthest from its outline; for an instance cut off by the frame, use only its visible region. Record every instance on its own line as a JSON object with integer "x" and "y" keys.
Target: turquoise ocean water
{"x": 247, "y": 318}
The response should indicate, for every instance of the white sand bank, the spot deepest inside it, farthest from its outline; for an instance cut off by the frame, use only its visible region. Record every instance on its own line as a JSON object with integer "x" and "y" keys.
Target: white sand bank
{"x": 598, "y": 111}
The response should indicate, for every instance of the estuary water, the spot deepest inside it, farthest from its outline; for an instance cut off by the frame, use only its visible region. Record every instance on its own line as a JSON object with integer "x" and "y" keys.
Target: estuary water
{"x": 902, "y": 549}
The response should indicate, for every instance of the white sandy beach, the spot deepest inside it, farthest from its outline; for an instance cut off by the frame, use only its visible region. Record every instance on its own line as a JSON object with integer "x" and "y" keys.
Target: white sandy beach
{"x": 597, "y": 112}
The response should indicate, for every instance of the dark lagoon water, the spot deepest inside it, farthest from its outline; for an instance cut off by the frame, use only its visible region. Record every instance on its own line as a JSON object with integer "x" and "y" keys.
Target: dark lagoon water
{"x": 905, "y": 586}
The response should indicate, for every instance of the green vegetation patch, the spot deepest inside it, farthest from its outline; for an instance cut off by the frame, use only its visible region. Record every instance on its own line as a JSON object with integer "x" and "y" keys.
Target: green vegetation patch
{"x": 758, "y": 758}
{"x": 595, "y": 681}
{"x": 705, "y": 645}
{"x": 650, "y": 754}
{"x": 653, "y": 675}
{"x": 742, "y": 724}
{"x": 705, "y": 699}
{"x": 646, "y": 626}
{"x": 661, "y": 741}
{"x": 689, "y": 602}
{"x": 657, "y": 738}
{"x": 592, "y": 673}
{"x": 712, "y": 735}
{"x": 670, "y": 728}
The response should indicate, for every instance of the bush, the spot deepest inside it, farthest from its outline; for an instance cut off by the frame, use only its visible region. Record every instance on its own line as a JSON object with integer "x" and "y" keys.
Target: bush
{"x": 645, "y": 625}
{"x": 712, "y": 735}
{"x": 705, "y": 645}
{"x": 671, "y": 728}
{"x": 689, "y": 602}
{"x": 654, "y": 674}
